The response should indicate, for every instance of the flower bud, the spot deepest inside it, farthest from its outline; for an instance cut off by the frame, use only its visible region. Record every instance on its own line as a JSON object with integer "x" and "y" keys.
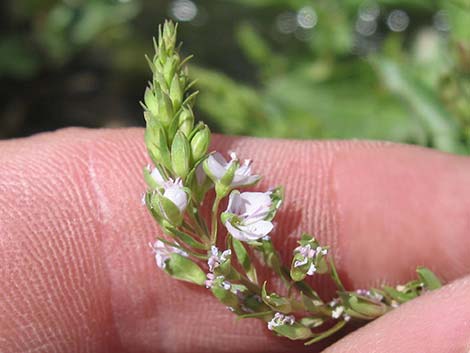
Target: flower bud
{"x": 180, "y": 155}
{"x": 186, "y": 121}
{"x": 165, "y": 108}
{"x": 176, "y": 92}
{"x": 200, "y": 143}
{"x": 172, "y": 203}
{"x": 151, "y": 101}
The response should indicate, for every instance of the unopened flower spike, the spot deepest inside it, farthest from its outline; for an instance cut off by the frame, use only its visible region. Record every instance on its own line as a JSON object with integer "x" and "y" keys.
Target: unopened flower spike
{"x": 183, "y": 173}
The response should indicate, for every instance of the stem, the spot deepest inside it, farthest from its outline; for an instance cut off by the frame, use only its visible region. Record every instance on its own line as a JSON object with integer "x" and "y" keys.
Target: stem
{"x": 201, "y": 230}
{"x": 335, "y": 276}
{"x": 215, "y": 211}
{"x": 327, "y": 333}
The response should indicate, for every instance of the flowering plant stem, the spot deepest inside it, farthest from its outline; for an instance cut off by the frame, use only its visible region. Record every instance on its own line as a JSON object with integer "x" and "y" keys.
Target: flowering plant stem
{"x": 185, "y": 173}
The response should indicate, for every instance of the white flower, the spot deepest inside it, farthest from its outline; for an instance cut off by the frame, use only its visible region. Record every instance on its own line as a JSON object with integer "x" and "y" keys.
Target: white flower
{"x": 312, "y": 269}
{"x": 246, "y": 214}
{"x": 175, "y": 193}
{"x": 280, "y": 319}
{"x": 217, "y": 258}
{"x": 220, "y": 280}
{"x": 170, "y": 189}
{"x": 163, "y": 252}
{"x": 216, "y": 166}
{"x": 337, "y": 312}
{"x": 157, "y": 176}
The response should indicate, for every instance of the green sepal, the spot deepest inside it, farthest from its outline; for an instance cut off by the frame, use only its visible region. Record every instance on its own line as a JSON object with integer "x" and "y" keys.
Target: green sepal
{"x": 169, "y": 210}
{"x": 275, "y": 301}
{"x": 277, "y": 196}
{"x": 295, "y": 331}
{"x": 428, "y": 278}
{"x": 198, "y": 190}
{"x": 270, "y": 255}
{"x": 176, "y": 93}
{"x": 309, "y": 303}
{"x": 180, "y": 155}
{"x": 223, "y": 186}
{"x": 165, "y": 107}
{"x": 182, "y": 268}
{"x": 150, "y": 181}
{"x": 299, "y": 273}
{"x": 164, "y": 149}
{"x": 169, "y": 69}
{"x": 312, "y": 322}
{"x": 255, "y": 303}
{"x": 151, "y": 101}
{"x": 225, "y": 296}
{"x": 152, "y": 138}
{"x": 186, "y": 121}
{"x": 244, "y": 260}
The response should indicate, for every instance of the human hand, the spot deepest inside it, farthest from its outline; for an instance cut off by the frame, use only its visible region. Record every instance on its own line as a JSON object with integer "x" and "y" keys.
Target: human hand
{"x": 77, "y": 275}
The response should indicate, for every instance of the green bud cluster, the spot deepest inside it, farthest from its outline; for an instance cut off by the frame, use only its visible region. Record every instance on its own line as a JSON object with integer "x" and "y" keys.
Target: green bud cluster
{"x": 172, "y": 138}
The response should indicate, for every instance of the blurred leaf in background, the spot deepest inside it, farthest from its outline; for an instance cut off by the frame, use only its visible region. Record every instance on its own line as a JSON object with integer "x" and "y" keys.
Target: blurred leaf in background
{"x": 387, "y": 69}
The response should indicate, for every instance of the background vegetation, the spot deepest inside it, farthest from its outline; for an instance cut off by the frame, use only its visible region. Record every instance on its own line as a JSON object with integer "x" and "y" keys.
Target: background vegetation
{"x": 388, "y": 69}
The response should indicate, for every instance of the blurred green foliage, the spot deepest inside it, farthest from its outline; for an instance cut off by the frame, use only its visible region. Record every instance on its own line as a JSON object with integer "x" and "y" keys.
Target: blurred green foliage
{"x": 387, "y": 69}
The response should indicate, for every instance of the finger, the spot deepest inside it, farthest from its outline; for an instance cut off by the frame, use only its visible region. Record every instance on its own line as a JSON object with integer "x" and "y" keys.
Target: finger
{"x": 78, "y": 270}
{"x": 434, "y": 323}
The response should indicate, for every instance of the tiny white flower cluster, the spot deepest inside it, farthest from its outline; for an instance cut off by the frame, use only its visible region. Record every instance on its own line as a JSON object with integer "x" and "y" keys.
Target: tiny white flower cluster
{"x": 217, "y": 257}
{"x": 280, "y": 319}
{"x": 211, "y": 278}
{"x": 163, "y": 252}
{"x": 370, "y": 294}
{"x": 338, "y": 311}
{"x": 309, "y": 254}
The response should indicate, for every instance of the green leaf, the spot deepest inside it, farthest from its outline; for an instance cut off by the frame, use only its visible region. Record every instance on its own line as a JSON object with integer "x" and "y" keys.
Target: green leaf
{"x": 295, "y": 331}
{"x": 244, "y": 260}
{"x": 185, "y": 238}
{"x": 182, "y": 268}
{"x": 264, "y": 315}
{"x": 275, "y": 301}
{"x": 428, "y": 278}
{"x": 440, "y": 123}
{"x": 327, "y": 333}
{"x": 399, "y": 296}
{"x": 365, "y": 307}
{"x": 225, "y": 296}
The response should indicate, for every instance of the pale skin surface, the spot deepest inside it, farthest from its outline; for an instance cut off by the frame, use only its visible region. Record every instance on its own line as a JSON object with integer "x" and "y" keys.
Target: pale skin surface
{"x": 77, "y": 275}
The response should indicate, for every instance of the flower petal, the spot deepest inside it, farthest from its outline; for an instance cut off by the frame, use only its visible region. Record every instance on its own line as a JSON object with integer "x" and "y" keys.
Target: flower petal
{"x": 157, "y": 176}
{"x": 217, "y": 165}
{"x": 177, "y": 195}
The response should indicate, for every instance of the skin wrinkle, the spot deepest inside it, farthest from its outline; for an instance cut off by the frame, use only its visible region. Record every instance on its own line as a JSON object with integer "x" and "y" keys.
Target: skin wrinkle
{"x": 61, "y": 286}
{"x": 134, "y": 305}
{"x": 407, "y": 328}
